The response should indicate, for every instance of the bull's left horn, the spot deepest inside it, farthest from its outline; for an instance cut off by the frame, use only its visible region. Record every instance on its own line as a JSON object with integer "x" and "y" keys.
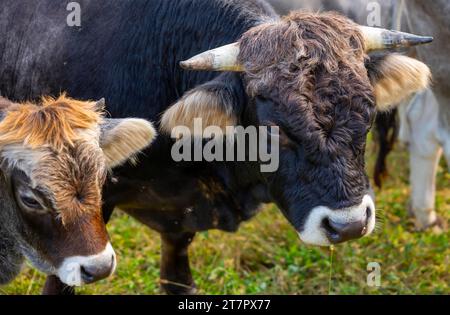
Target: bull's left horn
{"x": 224, "y": 58}
{"x": 379, "y": 39}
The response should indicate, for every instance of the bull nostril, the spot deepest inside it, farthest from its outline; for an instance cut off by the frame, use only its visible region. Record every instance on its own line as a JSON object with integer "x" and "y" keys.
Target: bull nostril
{"x": 341, "y": 232}
{"x": 368, "y": 212}
{"x": 331, "y": 231}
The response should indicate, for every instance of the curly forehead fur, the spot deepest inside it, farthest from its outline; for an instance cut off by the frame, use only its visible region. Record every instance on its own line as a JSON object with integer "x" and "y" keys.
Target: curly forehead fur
{"x": 53, "y": 122}
{"x": 312, "y": 65}
{"x": 73, "y": 180}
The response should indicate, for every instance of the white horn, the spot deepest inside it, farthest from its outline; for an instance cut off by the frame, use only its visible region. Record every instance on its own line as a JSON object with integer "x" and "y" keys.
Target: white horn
{"x": 224, "y": 58}
{"x": 379, "y": 39}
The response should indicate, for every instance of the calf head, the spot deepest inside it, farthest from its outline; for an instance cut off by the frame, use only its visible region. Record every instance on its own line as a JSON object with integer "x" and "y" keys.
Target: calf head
{"x": 310, "y": 75}
{"x": 55, "y": 158}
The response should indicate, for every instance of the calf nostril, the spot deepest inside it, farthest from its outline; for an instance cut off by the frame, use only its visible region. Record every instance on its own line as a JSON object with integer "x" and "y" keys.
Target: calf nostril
{"x": 96, "y": 272}
{"x": 113, "y": 261}
{"x": 86, "y": 275}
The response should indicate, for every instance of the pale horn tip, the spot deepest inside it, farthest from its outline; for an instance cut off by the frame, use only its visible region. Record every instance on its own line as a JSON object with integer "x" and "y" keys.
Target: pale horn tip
{"x": 200, "y": 62}
{"x": 184, "y": 64}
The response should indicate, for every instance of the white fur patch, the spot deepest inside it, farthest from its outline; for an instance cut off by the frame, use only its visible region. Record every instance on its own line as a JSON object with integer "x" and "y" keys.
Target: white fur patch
{"x": 313, "y": 232}
{"x": 197, "y": 104}
{"x": 401, "y": 76}
{"x": 23, "y": 158}
{"x": 128, "y": 138}
{"x": 70, "y": 270}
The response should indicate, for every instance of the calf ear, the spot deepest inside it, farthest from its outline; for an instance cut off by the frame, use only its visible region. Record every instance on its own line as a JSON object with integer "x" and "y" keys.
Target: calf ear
{"x": 217, "y": 103}
{"x": 122, "y": 139}
{"x": 396, "y": 77}
{"x": 4, "y": 104}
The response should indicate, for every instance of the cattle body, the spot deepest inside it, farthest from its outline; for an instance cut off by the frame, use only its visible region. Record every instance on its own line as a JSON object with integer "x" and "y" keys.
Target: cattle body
{"x": 424, "y": 121}
{"x": 322, "y": 94}
{"x": 429, "y": 138}
{"x": 54, "y": 159}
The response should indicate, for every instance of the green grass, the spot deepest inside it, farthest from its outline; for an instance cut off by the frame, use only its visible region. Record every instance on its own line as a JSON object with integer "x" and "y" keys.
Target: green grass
{"x": 266, "y": 256}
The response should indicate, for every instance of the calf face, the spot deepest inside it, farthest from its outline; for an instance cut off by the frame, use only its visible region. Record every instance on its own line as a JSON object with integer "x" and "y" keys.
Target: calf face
{"x": 55, "y": 158}
{"x": 309, "y": 74}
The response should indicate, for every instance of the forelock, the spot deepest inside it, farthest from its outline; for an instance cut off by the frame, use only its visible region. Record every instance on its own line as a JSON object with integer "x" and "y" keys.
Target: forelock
{"x": 53, "y": 122}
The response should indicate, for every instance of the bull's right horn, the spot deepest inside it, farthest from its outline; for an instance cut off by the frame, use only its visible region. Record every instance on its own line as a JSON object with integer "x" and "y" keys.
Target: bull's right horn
{"x": 224, "y": 58}
{"x": 380, "y": 38}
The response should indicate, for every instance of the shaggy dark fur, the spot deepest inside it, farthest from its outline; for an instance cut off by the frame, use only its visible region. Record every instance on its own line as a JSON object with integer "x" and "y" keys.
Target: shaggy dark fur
{"x": 312, "y": 67}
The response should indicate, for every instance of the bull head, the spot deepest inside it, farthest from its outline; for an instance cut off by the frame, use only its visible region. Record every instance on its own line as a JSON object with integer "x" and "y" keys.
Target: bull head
{"x": 309, "y": 74}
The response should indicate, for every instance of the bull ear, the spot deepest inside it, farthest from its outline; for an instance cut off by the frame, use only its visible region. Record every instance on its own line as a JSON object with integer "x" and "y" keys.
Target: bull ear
{"x": 216, "y": 103}
{"x": 122, "y": 139}
{"x": 396, "y": 77}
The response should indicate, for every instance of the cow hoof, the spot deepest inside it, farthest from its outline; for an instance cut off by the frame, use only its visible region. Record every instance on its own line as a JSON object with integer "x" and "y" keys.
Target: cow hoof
{"x": 437, "y": 227}
{"x": 172, "y": 288}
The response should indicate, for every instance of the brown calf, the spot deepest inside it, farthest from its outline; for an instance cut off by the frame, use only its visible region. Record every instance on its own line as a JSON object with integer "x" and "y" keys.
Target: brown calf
{"x": 55, "y": 157}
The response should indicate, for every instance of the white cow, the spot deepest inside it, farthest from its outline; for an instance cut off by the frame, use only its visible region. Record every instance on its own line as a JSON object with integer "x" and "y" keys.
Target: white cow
{"x": 421, "y": 132}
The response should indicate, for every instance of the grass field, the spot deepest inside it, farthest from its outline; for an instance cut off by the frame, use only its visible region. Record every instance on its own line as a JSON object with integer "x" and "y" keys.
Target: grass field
{"x": 266, "y": 256}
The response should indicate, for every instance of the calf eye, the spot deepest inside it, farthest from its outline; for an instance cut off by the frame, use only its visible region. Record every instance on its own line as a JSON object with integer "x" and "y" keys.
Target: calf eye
{"x": 30, "y": 202}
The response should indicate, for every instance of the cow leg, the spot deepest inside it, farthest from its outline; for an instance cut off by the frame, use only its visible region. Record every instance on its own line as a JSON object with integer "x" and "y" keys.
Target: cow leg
{"x": 54, "y": 286}
{"x": 176, "y": 277}
{"x": 423, "y": 187}
{"x": 425, "y": 152}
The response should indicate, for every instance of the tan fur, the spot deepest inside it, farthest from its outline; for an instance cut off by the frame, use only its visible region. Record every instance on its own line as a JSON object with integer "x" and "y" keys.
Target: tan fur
{"x": 127, "y": 138}
{"x": 56, "y": 143}
{"x": 73, "y": 179}
{"x": 53, "y": 122}
{"x": 197, "y": 104}
{"x": 401, "y": 76}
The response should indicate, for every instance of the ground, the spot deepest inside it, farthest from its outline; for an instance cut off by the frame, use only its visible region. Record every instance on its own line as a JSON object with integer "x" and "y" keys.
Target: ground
{"x": 266, "y": 256}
